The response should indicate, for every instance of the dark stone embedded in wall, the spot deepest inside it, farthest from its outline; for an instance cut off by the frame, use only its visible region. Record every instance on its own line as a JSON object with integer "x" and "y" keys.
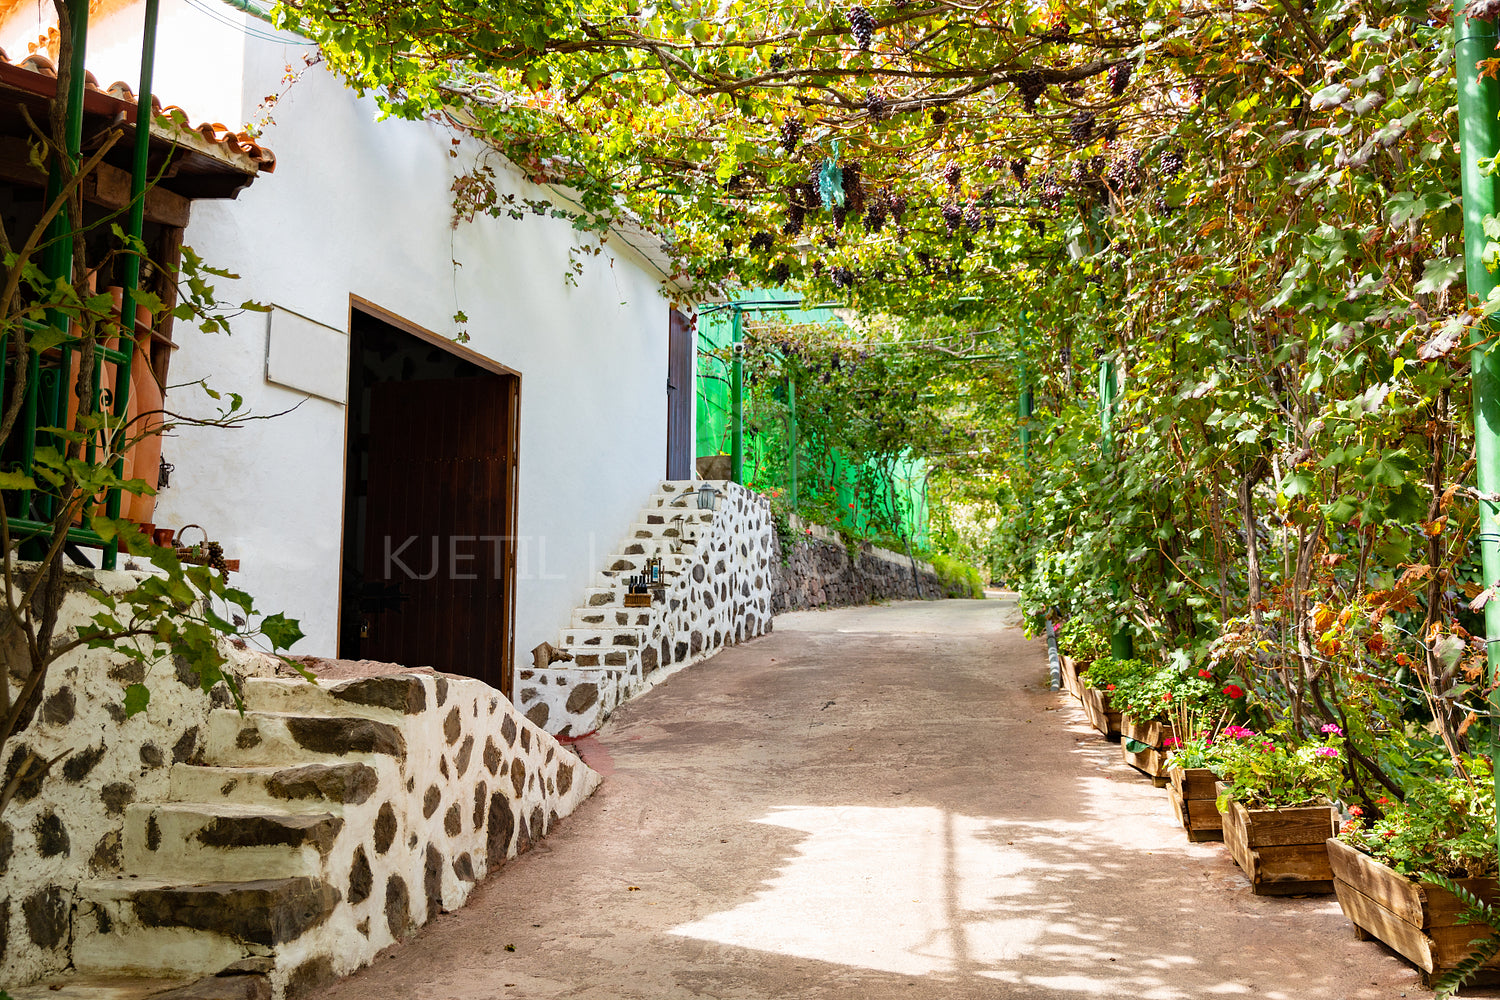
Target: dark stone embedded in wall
{"x": 30, "y": 786}
{"x": 106, "y": 856}
{"x": 82, "y": 763}
{"x": 116, "y": 796}
{"x": 7, "y": 846}
{"x": 361, "y": 880}
{"x": 518, "y": 776}
{"x": 481, "y": 795}
{"x": 385, "y": 828}
{"x": 307, "y": 977}
{"x": 582, "y": 697}
{"x": 431, "y": 801}
{"x": 248, "y": 738}
{"x": 564, "y": 778}
{"x": 501, "y": 826}
{"x": 403, "y": 694}
{"x": 350, "y": 783}
{"x": 537, "y": 715}
{"x": 441, "y": 685}
{"x": 492, "y": 755}
{"x": 508, "y": 731}
{"x": 46, "y": 917}
{"x": 182, "y": 750}
{"x": 525, "y": 739}
{"x": 443, "y": 767}
{"x": 151, "y": 755}
{"x": 4, "y": 927}
{"x": 51, "y": 835}
{"x": 432, "y": 881}
{"x": 819, "y": 573}
{"x": 465, "y": 753}
{"x": 153, "y": 833}
{"x": 273, "y": 830}
{"x": 266, "y": 912}
{"x": 453, "y": 821}
{"x": 341, "y": 736}
{"x": 463, "y": 868}
{"x": 59, "y": 707}
{"x": 453, "y": 725}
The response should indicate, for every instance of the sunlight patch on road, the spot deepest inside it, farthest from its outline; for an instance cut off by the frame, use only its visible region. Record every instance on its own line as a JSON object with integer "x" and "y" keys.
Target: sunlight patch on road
{"x": 912, "y": 891}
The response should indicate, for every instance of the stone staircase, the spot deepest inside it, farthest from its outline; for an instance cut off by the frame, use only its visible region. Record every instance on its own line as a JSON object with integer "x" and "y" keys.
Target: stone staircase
{"x": 715, "y": 564}
{"x": 323, "y": 824}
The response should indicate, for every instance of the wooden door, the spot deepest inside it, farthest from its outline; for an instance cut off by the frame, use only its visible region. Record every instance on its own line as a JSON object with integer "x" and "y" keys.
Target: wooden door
{"x": 437, "y": 525}
{"x": 680, "y": 397}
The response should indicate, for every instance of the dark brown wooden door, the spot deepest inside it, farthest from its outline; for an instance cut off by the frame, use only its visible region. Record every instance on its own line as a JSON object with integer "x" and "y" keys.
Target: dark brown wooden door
{"x": 680, "y": 391}
{"x": 437, "y": 522}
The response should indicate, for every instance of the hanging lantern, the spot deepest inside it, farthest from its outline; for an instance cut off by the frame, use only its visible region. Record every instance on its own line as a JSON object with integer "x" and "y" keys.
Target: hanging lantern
{"x": 706, "y": 495}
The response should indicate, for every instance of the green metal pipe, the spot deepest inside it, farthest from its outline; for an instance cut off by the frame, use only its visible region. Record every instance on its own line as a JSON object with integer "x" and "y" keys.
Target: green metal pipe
{"x": 1479, "y": 139}
{"x": 1121, "y": 644}
{"x": 737, "y": 400}
{"x": 130, "y": 277}
{"x": 791, "y": 408}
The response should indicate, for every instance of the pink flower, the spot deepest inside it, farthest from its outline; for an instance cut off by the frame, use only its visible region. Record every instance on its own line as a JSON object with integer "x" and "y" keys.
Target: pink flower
{"x": 1170, "y": 742}
{"x": 1335, "y": 730}
{"x": 1327, "y": 751}
{"x": 1238, "y": 732}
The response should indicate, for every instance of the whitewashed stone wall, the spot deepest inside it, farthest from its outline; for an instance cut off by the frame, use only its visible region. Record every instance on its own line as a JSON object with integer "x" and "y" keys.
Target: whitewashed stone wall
{"x": 291, "y": 842}
{"x": 719, "y": 571}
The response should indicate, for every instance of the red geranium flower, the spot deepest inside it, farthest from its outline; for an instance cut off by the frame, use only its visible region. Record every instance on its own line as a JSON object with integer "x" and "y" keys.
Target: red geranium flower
{"x": 1204, "y": 674}
{"x": 1109, "y": 687}
{"x": 1234, "y": 691}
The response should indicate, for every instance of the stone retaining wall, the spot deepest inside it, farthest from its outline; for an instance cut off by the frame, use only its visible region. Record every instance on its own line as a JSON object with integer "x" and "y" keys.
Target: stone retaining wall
{"x": 291, "y": 842}
{"x": 818, "y": 573}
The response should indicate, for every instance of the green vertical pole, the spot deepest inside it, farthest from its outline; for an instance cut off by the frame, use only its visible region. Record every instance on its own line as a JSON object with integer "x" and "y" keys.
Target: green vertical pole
{"x": 130, "y": 277}
{"x": 1121, "y": 645}
{"x": 791, "y": 408}
{"x": 737, "y": 399}
{"x": 57, "y": 260}
{"x": 1024, "y": 411}
{"x": 1479, "y": 139}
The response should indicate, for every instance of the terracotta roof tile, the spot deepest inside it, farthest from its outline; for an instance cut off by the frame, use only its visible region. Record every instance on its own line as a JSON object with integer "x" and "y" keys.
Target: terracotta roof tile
{"x": 233, "y": 144}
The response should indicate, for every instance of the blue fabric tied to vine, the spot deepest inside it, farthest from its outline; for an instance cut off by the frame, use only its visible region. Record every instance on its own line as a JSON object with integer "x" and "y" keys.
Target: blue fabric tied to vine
{"x": 831, "y": 181}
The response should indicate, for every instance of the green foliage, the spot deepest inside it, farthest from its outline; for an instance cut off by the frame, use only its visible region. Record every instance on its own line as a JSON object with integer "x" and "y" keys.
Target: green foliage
{"x": 1272, "y": 770}
{"x": 1082, "y": 640}
{"x": 958, "y": 579}
{"x": 1109, "y": 674}
{"x": 1445, "y": 825}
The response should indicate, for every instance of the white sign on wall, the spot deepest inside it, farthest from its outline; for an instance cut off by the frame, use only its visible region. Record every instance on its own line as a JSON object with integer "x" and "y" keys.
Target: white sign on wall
{"x": 307, "y": 356}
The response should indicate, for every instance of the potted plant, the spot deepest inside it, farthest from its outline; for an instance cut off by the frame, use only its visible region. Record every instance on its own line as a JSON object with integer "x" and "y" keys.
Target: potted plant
{"x": 1407, "y": 876}
{"x": 1201, "y": 708}
{"x": 1079, "y": 644}
{"x": 1151, "y": 703}
{"x": 1276, "y": 799}
{"x": 1099, "y": 684}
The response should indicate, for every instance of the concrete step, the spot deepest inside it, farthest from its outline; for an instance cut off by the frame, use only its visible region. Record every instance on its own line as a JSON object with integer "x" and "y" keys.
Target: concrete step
{"x": 281, "y": 738}
{"x": 608, "y": 638}
{"x": 226, "y": 842}
{"x": 609, "y": 617}
{"x": 298, "y": 788}
{"x": 387, "y": 698}
{"x": 665, "y": 532}
{"x": 603, "y": 597}
{"x": 614, "y": 657}
{"x": 162, "y": 926}
{"x": 664, "y": 547}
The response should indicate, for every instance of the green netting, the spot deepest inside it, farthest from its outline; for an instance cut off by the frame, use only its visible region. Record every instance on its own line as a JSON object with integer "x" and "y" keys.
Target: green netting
{"x": 826, "y": 485}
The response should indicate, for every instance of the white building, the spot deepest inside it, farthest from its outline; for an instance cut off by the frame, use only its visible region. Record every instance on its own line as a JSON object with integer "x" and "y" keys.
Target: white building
{"x": 416, "y": 500}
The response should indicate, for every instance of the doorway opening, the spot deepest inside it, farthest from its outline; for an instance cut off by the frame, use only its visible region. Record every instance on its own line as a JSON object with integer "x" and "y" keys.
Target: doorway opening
{"x": 429, "y": 502}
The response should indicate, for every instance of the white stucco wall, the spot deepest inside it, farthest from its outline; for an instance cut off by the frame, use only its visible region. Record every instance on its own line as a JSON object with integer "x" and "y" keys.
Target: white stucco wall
{"x": 362, "y": 207}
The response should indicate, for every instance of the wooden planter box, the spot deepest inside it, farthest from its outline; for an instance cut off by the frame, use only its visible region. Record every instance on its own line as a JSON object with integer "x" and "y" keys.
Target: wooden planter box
{"x": 1152, "y": 760}
{"x": 1071, "y": 676}
{"x": 1193, "y": 793}
{"x": 1101, "y": 716}
{"x": 1283, "y": 851}
{"x": 1417, "y": 919}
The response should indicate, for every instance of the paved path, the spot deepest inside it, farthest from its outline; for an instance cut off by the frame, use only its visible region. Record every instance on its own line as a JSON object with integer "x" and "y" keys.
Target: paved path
{"x": 870, "y": 803}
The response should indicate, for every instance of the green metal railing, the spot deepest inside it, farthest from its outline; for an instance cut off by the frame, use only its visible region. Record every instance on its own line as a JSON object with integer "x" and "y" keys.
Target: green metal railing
{"x": 47, "y": 387}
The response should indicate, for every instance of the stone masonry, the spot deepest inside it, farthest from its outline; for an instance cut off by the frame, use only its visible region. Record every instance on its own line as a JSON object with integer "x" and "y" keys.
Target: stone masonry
{"x": 718, "y": 567}
{"x": 818, "y": 573}
{"x": 293, "y": 841}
